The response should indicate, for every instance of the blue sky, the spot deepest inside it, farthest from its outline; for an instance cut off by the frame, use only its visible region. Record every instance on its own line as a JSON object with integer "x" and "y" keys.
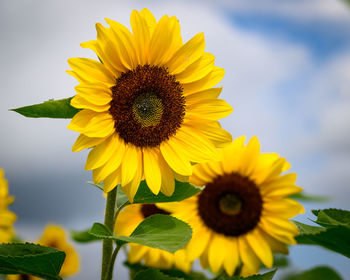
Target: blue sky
{"x": 287, "y": 76}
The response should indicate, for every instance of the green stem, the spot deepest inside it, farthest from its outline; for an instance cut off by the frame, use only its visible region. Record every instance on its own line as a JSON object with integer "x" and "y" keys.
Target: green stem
{"x": 107, "y": 246}
{"x": 111, "y": 263}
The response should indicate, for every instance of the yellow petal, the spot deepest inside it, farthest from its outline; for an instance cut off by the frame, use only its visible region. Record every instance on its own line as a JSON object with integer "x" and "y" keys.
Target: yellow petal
{"x": 84, "y": 142}
{"x": 187, "y": 54}
{"x": 124, "y": 43}
{"x": 260, "y": 247}
{"x": 136, "y": 253}
{"x": 101, "y": 125}
{"x": 217, "y": 252}
{"x": 194, "y": 145}
{"x": 81, "y": 103}
{"x": 101, "y": 153}
{"x": 176, "y": 161}
{"x": 284, "y": 208}
{"x": 231, "y": 155}
{"x": 152, "y": 169}
{"x": 250, "y": 156}
{"x": 131, "y": 188}
{"x": 96, "y": 94}
{"x": 109, "y": 48}
{"x": 81, "y": 119}
{"x": 112, "y": 164}
{"x": 131, "y": 164}
{"x": 250, "y": 261}
{"x": 210, "y": 80}
{"x": 212, "y": 109}
{"x": 141, "y": 36}
{"x": 208, "y": 94}
{"x": 168, "y": 180}
{"x": 198, "y": 243}
{"x": 150, "y": 19}
{"x": 112, "y": 180}
{"x": 232, "y": 256}
{"x": 276, "y": 246}
{"x": 166, "y": 39}
{"x": 212, "y": 130}
{"x": 90, "y": 70}
{"x": 197, "y": 70}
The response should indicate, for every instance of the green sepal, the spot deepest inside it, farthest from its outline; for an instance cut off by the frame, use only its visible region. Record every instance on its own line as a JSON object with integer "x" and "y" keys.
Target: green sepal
{"x": 54, "y": 109}
{"x": 32, "y": 259}
{"x": 157, "y": 231}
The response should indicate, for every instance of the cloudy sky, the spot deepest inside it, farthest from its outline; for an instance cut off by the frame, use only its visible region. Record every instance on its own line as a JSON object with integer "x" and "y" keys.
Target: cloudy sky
{"x": 287, "y": 76}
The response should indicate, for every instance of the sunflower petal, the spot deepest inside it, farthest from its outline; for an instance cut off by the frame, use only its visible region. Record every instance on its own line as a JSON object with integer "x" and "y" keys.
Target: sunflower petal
{"x": 187, "y": 54}
{"x": 176, "y": 161}
{"x": 90, "y": 70}
{"x": 152, "y": 169}
{"x": 84, "y": 142}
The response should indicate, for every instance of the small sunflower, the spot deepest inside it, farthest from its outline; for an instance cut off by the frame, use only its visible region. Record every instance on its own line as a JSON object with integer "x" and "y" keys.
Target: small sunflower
{"x": 55, "y": 236}
{"x": 128, "y": 220}
{"x": 7, "y": 218}
{"x": 149, "y": 109}
{"x": 241, "y": 217}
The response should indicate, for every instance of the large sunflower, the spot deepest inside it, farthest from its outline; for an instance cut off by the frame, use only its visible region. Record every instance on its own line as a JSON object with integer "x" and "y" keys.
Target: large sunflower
{"x": 241, "y": 217}
{"x": 128, "y": 220}
{"x": 7, "y": 218}
{"x": 149, "y": 106}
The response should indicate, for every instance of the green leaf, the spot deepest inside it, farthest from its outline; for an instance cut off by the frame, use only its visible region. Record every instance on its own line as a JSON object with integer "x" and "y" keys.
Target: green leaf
{"x": 154, "y": 274}
{"x": 317, "y": 273}
{"x": 82, "y": 236}
{"x": 182, "y": 191}
{"x": 266, "y": 276}
{"x": 55, "y": 109}
{"x": 157, "y": 231}
{"x": 27, "y": 258}
{"x": 332, "y": 217}
{"x": 333, "y": 238}
{"x": 309, "y": 198}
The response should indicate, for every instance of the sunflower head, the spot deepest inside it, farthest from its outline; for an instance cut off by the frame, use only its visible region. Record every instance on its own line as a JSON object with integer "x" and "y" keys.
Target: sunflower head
{"x": 128, "y": 220}
{"x": 55, "y": 236}
{"x": 242, "y": 216}
{"x": 149, "y": 109}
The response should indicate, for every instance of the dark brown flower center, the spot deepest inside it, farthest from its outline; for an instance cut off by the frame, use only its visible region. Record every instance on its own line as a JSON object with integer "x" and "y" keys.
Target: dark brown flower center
{"x": 230, "y": 205}
{"x": 150, "y": 209}
{"x": 147, "y": 106}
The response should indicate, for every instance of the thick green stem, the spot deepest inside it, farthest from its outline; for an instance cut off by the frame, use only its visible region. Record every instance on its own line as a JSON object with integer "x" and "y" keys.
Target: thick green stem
{"x": 107, "y": 247}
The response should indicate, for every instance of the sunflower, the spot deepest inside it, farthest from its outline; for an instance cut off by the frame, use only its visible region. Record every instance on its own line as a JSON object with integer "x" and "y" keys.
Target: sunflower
{"x": 149, "y": 109}
{"x": 128, "y": 220}
{"x": 241, "y": 217}
{"x": 7, "y": 218}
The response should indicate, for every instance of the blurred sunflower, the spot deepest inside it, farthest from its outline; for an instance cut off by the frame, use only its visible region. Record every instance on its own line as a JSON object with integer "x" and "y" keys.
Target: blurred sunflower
{"x": 55, "y": 236}
{"x": 149, "y": 106}
{"x": 7, "y": 218}
{"x": 241, "y": 217}
{"x": 126, "y": 223}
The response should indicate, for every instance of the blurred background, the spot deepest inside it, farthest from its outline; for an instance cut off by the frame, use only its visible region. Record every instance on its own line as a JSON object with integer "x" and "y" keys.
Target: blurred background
{"x": 287, "y": 76}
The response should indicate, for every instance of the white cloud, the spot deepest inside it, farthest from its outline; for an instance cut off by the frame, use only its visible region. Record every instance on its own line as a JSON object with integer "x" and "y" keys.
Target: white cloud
{"x": 307, "y": 11}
